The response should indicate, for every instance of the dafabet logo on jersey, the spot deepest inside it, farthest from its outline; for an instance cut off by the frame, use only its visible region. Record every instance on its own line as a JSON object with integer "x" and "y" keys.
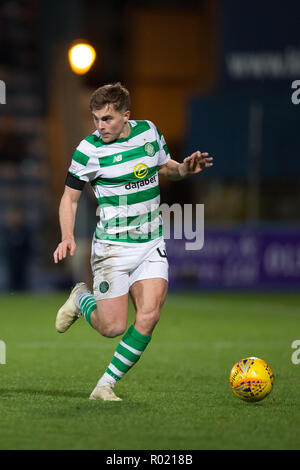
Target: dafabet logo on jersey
{"x": 141, "y": 170}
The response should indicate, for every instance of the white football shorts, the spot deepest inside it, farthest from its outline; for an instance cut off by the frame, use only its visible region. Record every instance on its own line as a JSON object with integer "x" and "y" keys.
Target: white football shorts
{"x": 116, "y": 267}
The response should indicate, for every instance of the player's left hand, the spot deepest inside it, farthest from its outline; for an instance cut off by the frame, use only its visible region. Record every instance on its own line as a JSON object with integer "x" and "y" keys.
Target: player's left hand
{"x": 196, "y": 163}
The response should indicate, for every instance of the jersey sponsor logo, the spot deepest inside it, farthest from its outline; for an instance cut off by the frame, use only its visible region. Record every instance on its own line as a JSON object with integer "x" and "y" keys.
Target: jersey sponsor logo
{"x": 117, "y": 158}
{"x": 140, "y": 184}
{"x": 141, "y": 170}
{"x": 149, "y": 149}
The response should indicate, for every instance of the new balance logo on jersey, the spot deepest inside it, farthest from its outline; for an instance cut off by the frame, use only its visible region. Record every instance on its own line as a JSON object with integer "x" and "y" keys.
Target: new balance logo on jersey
{"x": 117, "y": 158}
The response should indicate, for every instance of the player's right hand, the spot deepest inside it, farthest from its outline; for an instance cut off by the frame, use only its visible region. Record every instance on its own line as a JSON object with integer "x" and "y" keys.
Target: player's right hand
{"x": 62, "y": 249}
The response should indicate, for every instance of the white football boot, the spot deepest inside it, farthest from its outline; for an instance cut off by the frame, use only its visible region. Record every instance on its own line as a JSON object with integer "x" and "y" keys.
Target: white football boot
{"x": 104, "y": 392}
{"x": 70, "y": 312}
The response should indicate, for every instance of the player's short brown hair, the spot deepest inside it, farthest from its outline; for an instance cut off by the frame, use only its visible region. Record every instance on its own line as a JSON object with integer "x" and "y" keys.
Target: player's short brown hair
{"x": 115, "y": 94}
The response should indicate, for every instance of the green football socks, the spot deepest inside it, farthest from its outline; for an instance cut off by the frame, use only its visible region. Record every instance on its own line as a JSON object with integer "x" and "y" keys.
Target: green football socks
{"x": 87, "y": 304}
{"x": 128, "y": 352}
{"x": 129, "y": 349}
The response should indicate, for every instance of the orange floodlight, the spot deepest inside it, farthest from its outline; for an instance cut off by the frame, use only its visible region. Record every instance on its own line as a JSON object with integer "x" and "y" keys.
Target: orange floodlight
{"x": 81, "y": 57}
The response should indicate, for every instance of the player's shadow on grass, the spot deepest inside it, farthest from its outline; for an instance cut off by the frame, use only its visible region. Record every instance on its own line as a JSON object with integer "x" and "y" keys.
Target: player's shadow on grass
{"x": 7, "y": 392}
{"x": 49, "y": 393}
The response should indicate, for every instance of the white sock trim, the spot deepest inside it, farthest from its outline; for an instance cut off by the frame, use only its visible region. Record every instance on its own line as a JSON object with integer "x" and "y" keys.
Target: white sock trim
{"x": 106, "y": 378}
{"x": 80, "y": 296}
{"x": 134, "y": 351}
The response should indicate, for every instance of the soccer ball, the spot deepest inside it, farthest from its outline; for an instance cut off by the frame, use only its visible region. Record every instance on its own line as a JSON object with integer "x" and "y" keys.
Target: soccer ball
{"x": 251, "y": 379}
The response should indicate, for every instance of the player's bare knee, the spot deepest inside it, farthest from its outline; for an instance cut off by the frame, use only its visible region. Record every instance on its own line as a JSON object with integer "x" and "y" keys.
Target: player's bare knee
{"x": 112, "y": 331}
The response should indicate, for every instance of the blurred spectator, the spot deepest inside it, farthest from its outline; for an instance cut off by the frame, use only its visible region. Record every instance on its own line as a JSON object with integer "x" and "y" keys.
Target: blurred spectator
{"x": 17, "y": 249}
{"x": 12, "y": 143}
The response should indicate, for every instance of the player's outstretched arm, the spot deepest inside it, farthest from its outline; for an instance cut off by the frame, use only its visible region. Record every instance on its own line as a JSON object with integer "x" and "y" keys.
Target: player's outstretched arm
{"x": 67, "y": 214}
{"x": 191, "y": 165}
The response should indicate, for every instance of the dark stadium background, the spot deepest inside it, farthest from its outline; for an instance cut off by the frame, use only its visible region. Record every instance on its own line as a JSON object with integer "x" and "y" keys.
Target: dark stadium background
{"x": 215, "y": 76}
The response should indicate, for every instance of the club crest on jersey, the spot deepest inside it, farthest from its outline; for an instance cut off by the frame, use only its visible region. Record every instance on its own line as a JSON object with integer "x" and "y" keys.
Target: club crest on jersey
{"x": 141, "y": 170}
{"x": 149, "y": 149}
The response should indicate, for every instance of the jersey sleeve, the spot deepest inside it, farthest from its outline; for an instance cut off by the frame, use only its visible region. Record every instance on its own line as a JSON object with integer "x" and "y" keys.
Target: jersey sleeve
{"x": 84, "y": 166}
{"x": 164, "y": 154}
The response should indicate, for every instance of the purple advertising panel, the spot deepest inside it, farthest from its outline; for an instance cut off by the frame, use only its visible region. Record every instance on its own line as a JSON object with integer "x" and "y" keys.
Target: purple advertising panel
{"x": 237, "y": 259}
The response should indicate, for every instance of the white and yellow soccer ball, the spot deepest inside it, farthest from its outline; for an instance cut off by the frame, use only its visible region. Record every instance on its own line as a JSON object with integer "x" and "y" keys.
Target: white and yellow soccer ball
{"x": 251, "y": 379}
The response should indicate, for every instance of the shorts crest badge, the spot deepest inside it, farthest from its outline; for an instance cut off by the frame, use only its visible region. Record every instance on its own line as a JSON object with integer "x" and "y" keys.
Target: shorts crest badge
{"x": 103, "y": 287}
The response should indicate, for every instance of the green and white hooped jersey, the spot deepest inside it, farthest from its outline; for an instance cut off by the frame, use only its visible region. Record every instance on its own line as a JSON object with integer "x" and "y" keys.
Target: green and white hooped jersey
{"x": 124, "y": 177}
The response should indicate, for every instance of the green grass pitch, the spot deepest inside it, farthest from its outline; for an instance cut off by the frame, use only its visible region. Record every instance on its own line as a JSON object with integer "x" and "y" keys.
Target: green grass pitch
{"x": 176, "y": 397}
